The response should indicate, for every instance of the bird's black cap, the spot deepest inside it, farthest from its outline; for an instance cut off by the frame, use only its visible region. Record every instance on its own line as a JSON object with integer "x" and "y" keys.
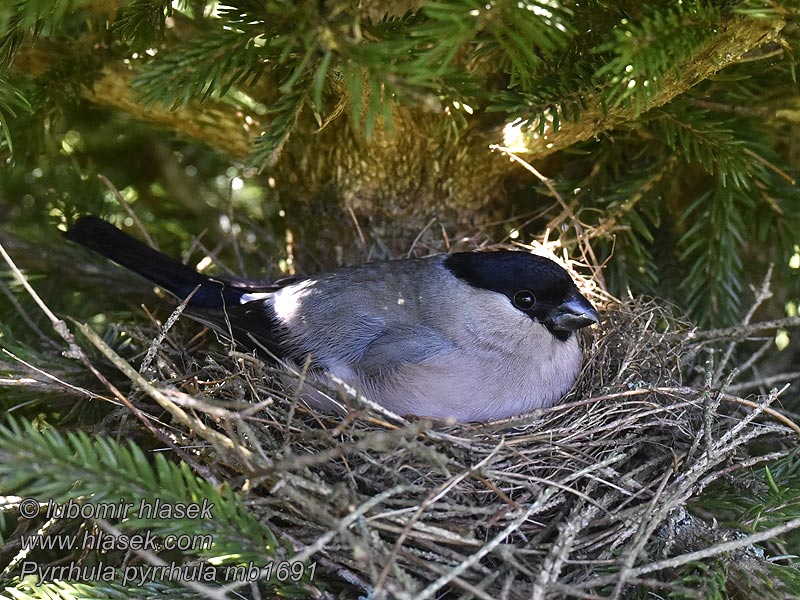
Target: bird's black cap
{"x": 557, "y": 303}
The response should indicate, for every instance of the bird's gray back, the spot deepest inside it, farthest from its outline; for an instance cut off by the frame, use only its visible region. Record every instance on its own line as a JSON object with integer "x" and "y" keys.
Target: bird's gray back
{"x": 335, "y": 317}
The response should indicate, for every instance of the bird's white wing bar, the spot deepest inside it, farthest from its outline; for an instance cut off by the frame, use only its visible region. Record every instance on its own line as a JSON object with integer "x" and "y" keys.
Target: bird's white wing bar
{"x": 286, "y": 301}
{"x": 245, "y": 298}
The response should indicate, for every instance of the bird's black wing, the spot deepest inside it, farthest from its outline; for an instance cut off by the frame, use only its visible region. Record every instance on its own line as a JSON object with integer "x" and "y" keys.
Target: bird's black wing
{"x": 252, "y": 325}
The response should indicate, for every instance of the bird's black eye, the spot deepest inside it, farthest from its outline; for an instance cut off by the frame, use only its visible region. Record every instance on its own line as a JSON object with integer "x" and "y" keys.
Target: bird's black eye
{"x": 524, "y": 300}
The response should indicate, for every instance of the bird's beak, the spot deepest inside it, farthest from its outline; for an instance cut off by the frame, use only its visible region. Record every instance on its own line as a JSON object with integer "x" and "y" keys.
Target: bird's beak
{"x": 574, "y": 314}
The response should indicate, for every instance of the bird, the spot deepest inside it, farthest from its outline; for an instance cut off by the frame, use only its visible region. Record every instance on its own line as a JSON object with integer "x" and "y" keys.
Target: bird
{"x": 464, "y": 336}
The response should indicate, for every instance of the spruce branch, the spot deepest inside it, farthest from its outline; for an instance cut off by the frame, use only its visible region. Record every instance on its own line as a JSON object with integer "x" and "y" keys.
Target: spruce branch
{"x": 74, "y": 466}
{"x": 202, "y": 68}
{"x": 142, "y": 21}
{"x": 12, "y": 101}
{"x": 700, "y": 136}
{"x": 710, "y": 248}
{"x": 268, "y": 146}
{"x": 644, "y": 52}
{"x": 222, "y": 126}
{"x": 736, "y": 36}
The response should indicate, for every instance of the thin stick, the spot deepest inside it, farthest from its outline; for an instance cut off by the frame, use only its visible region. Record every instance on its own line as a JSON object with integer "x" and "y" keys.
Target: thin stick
{"x": 25, "y": 317}
{"x": 762, "y": 295}
{"x": 774, "y": 168}
{"x": 217, "y": 439}
{"x": 157, "y": 341}
{"x": 361, "y": 237}
{"x": 715, "y": 550}
{"x": 770, "y": 411}
{"x": 127, "y": 207}
{"x": 58, "y": 324}
{"x": 766, "y": 381}
{"x": 43, "y": 373}
{"x": 422, "y": 231}
{"x": 741, "y": 331}
{"x": 76, "y": 352}
{"x": 586, "y": 249}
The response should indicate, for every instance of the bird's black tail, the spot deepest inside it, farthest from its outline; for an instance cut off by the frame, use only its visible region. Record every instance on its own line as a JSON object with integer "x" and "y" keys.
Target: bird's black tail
{"x": 216, "y": 302}
{"x": 178, "y": 279}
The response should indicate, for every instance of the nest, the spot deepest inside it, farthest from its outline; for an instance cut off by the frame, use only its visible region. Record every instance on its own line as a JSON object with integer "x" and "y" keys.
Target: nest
{"x": 590, "y": 498}
{"x": 584, "y": 499}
